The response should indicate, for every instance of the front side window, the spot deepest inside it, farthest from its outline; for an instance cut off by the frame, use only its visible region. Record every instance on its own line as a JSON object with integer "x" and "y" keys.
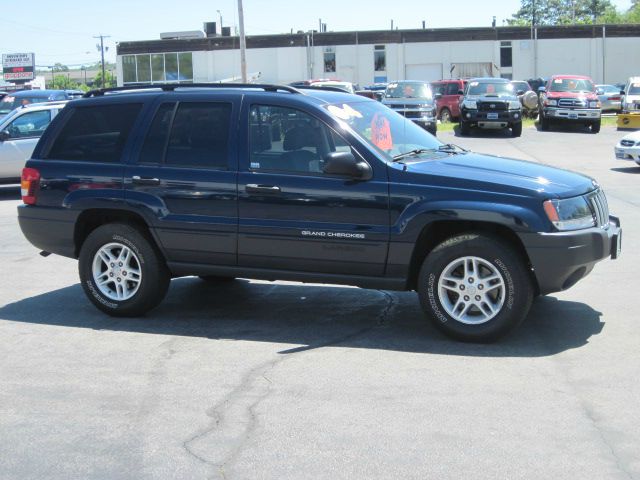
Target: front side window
{"x": 289, "y": 140}
{"x": 385, "y": 130}
{"x": 95, "y": 134}
{"x": 379, "y": 58}
{"x": 453, "y": 89}
{"x": 29, "y": 125}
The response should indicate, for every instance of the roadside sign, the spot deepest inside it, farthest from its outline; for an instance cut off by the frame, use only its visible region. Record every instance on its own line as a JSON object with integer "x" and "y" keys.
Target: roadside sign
{"x": 18, "y": 66}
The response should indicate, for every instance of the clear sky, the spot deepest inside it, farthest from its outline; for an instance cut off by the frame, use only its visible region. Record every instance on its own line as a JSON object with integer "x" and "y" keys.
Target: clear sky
{"x": 62, "y": 31}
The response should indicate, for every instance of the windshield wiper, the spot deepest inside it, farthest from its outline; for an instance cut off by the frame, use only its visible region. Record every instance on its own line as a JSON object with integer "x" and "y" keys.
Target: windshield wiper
{"x": 411, "y": 153}
{"x": 451, "y": 147}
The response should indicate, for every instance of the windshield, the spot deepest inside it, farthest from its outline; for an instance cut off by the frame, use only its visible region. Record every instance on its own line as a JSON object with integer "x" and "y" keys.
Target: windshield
{"x": 408, "y": 90}
{"x": 10, "y": 102}
{"x": 574, "y": 85}
{"x": 385, "y": 130}
{"x": 634, "y": 89}
{"x": 490, "y": 88}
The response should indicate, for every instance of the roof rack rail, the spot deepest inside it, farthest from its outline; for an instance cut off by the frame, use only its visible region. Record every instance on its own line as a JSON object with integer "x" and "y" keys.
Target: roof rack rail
{"x": 169, "y": 87}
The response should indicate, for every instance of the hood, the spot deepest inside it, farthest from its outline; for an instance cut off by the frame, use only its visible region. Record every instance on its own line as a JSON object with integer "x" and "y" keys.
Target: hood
{"x": 586, "y": 95}
{"x": 498, "y": 174}
{"x": 635, "y": 136}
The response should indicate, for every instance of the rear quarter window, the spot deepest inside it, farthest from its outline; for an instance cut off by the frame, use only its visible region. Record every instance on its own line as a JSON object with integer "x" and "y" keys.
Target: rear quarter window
{"x": 96, "y": 133}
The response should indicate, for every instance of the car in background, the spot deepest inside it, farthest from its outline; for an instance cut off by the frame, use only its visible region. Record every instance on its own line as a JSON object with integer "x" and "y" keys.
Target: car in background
{"x": 348, "y": 87}
{"x": 3, "y": 94}
{"x": 490, "y": 103}
{"x": 414, "y": 100}
{"x": 631, "y": 101}
{"x": 26, "y": 97}
{"x": 20, "y": 131}
{"x": 610, "y": 98}
{"x": 628, "y": 148}
{"x": 448, "y": 103}
{"x": 570, "y": 99}
{"x": 73, "y": 94}
{"x": 528, "y": 98}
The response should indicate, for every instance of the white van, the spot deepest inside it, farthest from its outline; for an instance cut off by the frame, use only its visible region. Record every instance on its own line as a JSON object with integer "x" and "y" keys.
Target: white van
{"x": 631, "y": 101}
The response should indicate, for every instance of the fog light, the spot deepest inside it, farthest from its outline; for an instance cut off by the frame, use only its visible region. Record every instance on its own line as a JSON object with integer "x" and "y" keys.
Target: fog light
{"x": 516, "y": 115}
{"x": 468, "y": 115}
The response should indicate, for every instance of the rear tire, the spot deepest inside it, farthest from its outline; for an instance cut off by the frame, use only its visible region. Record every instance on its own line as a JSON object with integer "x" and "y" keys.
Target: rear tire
{"x": 121, "y": 271}
{"x": 475, "y": 287}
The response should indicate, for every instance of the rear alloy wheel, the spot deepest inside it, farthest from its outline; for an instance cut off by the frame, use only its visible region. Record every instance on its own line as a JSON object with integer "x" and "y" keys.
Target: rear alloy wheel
{"x": 474, "y": 287}
{"x": 121, "y": 270}
{"x": 516, "y": 129}
{"x": 445, "y": 115}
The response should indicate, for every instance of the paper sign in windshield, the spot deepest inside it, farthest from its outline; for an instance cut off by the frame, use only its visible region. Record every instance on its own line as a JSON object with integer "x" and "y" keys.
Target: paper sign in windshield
{"x": 381, "y": 132}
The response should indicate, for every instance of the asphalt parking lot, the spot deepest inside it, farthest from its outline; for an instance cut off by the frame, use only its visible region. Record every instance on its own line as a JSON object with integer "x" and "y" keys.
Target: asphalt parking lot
{"x": 252, "y": 380}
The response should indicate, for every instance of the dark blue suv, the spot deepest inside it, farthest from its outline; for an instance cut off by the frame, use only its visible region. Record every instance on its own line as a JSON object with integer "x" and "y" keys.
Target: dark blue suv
{"x": 271, "y": 182}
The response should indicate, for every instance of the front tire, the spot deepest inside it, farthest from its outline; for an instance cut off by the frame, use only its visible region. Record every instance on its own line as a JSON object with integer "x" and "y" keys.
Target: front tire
{"x": 445, "y": 115}
{"x": 121, "y": 271}
{"x": 595, "y": 126}
{"x": 465, "y": 129}
{"x": 516, "y": 129}
{"x": 544, "y": 122}
{"x": 475, "y": 287}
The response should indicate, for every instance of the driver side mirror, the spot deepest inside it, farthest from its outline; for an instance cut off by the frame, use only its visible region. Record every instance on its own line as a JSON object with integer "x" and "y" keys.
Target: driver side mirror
{"x": 346, "y": 164}
{"x": 437, "y": 96}
{"x": 599, "y": 91}
{"x": 4, "y": 135}
{"x": 460, "y": 92}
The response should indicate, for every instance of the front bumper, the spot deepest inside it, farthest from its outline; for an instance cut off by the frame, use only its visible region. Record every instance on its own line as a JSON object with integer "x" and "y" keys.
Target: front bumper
{"x": 424, "y": 118}
{"x": 573, "y": 114}
{"x": 627, "y": 153}
{"x": 561, "y": 259}
{"x": 501, "y": 119}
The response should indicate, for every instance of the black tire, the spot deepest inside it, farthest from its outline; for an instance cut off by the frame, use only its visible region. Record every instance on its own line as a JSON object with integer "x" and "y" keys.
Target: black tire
{"x": 516, "y": 129}
{"x": 432, "y": 130}
{"x": 544, "y": 122}
{"x": 465, "y": 129}
{"x": 595, "y": 126}
{"x": 216, "y": 279}
{"x": 445, "y": 115}
{"x": 518, "y": 288}
{"x": 155, "y": 276}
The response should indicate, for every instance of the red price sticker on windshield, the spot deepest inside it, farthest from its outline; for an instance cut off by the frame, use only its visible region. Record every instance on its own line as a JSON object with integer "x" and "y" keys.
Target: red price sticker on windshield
{"x": 381, "y": 132}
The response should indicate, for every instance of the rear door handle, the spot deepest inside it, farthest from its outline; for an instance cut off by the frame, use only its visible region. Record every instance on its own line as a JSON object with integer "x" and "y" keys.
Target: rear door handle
{"x": 136, "y": 180}
{"x": 255, "y": 188}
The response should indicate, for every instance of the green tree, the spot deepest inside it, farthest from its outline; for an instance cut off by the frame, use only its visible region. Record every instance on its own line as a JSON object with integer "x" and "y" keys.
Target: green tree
{"x": 110, "y": 80}
{"x": 58, "y": 67}
{"x": 63, "y": 82}
{"x": 559, "y": 12}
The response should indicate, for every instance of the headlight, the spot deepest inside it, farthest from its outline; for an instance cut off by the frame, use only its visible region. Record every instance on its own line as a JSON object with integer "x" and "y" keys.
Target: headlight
{"x": 470, "y": 104}
{"x": 551, "y": 103}
{"x": 594, "y": 104}
{"x": 514, "y": 104}
{"x": 569, "y": 213}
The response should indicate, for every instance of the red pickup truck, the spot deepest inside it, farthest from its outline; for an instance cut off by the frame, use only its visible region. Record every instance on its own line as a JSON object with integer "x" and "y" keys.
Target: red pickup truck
{"x": 570, "y": 98}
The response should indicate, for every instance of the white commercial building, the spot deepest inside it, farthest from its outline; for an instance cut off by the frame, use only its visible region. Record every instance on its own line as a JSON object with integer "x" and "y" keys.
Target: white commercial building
{"x": 608, "y": 54}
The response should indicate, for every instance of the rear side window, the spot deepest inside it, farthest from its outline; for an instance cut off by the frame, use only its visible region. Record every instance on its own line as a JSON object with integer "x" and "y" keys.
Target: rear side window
{"x": 95, "y": 134}
{"x": 198, "y": 135}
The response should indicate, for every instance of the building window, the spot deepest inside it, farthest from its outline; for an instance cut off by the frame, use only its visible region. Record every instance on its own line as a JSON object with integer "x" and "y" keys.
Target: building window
{"x": 158, "y": 67}
{"x": 506, "y": 54}
{"x": 329, "y": 60}
{"x": 379, "y": 58}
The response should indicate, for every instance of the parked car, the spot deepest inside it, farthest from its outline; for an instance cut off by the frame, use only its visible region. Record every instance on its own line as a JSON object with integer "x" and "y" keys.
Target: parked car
{"x": 414, "y": 100}
{"x": 528, "y": 98}
{"x": 490, "y": 103}
{"x": 346, "y": 86}
{"x": 72, "y": 94}
{"x": 141, "y": 187}
{"x": 632, "y": 95}
{"x": 628, "y": 148}
{"x": 20, "y": 131}
{"x": 26, "y": 97}
{"x": 610, "y": 98}
{"x": 570, "y": 99}
{"x": 448, "y": 104}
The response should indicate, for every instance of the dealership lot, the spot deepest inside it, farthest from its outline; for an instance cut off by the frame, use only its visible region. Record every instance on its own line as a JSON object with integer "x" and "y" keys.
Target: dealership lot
{"x": 278, "y": 380}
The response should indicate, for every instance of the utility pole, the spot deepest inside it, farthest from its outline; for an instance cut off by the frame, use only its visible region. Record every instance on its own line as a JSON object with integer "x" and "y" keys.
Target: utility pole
{"x": 243, "y": 44}
{"x": 101, "y": 47}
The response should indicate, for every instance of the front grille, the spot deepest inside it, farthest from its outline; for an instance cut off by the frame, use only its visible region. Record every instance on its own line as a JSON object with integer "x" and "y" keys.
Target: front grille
{"x": 413, "y": 114}
{"x": 395, "y": 106}
{"x": 599, "y": 208}
{"x": 627, "y": 143}
{"x": 572, "y": 102}
{"x": 492, "y": 106}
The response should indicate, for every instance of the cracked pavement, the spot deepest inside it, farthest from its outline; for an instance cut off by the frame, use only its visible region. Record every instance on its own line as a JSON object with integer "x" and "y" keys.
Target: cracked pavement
{"x": 263, "y": 380}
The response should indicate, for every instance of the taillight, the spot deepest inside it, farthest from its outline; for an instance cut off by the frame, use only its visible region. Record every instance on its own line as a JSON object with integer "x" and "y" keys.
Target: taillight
{"x": 29, "y": 185}
{"x": 614, "y": 98}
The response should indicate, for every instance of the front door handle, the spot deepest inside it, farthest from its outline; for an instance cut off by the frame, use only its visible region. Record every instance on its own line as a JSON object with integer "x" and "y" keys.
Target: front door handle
{"x": 137, "y": 180}
{"x": 255, "y": 188}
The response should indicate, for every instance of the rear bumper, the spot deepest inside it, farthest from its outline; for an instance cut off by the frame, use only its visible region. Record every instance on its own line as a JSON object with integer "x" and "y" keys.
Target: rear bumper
{"x": 48, "y": 229}
{"x": 561, "y": 259}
